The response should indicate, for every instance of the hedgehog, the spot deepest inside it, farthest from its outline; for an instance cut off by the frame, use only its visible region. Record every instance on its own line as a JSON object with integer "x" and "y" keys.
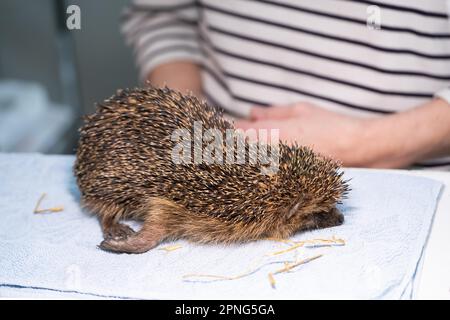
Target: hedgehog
{"x": 125, "y": 171}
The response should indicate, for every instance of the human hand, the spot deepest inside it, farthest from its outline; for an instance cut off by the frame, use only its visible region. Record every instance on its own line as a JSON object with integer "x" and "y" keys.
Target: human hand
{"x": 327, "y": 132}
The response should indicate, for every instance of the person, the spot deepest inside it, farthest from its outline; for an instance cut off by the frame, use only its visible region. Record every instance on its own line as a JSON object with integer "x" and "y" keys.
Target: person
{"x": 365, "y": 82}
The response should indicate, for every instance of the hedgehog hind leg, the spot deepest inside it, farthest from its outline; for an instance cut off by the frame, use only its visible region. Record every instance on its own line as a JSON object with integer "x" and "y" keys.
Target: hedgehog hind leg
{"x": 160, "y": 220}
{"x": 109, "y": 215}
{"x": 115, "y": 230}
{"x": 139, "y": 242}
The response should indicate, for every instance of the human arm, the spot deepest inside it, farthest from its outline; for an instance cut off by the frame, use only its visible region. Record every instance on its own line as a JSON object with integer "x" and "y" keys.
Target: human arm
{"x": 410, "y": 136}
{"x": 164, "y": 37}
{"x": 391, "y": 141}
{"x": 183, "y": 76}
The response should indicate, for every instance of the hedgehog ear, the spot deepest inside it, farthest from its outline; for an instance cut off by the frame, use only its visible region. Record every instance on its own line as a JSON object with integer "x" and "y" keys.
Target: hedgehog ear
{"x": 293, "y": 210}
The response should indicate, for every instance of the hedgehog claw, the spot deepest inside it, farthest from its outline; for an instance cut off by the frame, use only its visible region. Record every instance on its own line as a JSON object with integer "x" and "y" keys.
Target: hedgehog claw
{"x": 118, "y": 231}
{"x": 109, "y": 245}
{"x": 132, "y": 244}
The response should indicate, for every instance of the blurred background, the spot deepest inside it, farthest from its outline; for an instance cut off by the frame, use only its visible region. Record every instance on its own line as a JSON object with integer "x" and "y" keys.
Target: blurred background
{"x": 50, "y": 76}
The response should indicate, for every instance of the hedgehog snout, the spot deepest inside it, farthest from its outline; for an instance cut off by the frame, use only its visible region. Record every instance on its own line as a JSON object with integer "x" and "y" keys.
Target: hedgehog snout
{"x": 328, "y": 219}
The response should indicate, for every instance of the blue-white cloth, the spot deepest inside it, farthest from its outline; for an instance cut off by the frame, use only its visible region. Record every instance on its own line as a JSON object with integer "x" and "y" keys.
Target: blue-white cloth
{"x": 387, "y": 222}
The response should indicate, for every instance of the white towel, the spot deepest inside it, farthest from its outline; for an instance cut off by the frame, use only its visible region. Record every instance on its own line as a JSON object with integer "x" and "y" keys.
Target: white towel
{"x": 387, "y": 221}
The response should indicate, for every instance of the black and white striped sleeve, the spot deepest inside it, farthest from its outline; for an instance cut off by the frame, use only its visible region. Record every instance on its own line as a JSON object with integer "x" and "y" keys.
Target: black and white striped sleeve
{"x": 161, "y": 31}
{"x": 444, "y": 94}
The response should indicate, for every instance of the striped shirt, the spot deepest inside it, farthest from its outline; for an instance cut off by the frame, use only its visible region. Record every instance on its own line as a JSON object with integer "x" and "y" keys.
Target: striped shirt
{"x": 357, "y": 57}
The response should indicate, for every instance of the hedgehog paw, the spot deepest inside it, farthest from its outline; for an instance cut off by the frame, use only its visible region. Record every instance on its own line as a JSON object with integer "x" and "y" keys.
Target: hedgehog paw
{"x": 118, "y": 231}
{"x": 132, "y": 244}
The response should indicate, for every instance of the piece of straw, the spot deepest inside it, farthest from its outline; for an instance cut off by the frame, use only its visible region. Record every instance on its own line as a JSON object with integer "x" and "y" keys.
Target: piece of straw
{"x": 286, "y": 241}
{"x": 287, "y": 266}
{"x": 311, "y": 243}
{"x": 286, "y": 250}
{"x": 219, "y": 277}
{"x": 271, "y": 280}
{"x": 171, "y": 248}
{"x": 52, "y": 209}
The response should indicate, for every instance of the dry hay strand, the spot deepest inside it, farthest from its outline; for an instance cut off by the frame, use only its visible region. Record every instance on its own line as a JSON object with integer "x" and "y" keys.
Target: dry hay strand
{"x": 47, "y": 210}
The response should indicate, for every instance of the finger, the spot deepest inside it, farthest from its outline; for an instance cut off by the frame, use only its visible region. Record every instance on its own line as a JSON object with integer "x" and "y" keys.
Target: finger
{"x": 260, "y": 124}
{"x": 272, "y": 113}
{"x": 243, "y": 124}
{"x": 250, "y": 129}
{"x": 253, "y": 129}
